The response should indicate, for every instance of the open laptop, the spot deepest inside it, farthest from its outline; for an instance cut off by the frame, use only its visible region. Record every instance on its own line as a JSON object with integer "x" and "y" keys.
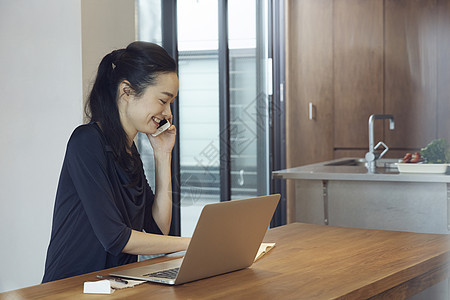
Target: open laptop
{"x": 226, "y": 238}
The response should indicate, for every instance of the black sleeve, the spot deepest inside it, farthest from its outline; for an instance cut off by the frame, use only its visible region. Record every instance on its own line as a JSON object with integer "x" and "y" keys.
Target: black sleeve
{"x": 87, "y": 164}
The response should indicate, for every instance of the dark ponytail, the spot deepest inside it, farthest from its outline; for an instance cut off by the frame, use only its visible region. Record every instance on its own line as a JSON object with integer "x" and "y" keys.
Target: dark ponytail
{"x": 140, "y": 63}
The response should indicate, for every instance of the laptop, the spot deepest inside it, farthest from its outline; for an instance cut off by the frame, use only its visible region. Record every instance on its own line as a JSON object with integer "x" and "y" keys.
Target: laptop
{"x": 226, "y": 238}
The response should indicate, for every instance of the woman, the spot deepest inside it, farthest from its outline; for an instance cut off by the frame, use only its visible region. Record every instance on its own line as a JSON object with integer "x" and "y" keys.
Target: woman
{"x": 103, "y": 202}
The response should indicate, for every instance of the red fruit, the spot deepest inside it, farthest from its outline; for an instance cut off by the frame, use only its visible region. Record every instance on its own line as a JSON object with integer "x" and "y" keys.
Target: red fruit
{"x": 407, "y": 158}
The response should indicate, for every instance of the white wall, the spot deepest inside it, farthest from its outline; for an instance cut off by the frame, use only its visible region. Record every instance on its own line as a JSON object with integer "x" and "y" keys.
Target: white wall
{"x": 43, "y": 69}
{"x": 41, "y": 103}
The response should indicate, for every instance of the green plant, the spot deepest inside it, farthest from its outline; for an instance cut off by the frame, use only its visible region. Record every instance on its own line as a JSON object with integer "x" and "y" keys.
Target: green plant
{"x": 436, "y": 152}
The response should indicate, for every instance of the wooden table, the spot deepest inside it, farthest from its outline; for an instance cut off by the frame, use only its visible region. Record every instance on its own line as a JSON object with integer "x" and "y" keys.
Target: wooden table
{"x": 308, "y": 262}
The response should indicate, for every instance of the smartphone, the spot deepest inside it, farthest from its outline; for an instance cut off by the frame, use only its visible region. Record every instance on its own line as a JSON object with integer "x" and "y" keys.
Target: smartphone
{"x": 163, "y": 125}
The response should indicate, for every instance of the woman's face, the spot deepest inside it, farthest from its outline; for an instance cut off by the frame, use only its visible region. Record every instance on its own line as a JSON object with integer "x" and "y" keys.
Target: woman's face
{"x": 145, "y": 112}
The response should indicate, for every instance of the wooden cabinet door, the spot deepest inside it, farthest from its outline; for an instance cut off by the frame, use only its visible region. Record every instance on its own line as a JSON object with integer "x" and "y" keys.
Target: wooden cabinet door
{"x": 443, "y": 88}
{"x": 411, "y": 71}
{"x": 358, "y": 71}
{"x": 309, "y": 79}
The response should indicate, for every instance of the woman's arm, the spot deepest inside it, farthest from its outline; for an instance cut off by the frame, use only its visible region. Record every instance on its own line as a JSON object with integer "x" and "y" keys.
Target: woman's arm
{"x": 141, "y": 243}
{"x": 162, "y": 206}
{"x": 148, "y": 243}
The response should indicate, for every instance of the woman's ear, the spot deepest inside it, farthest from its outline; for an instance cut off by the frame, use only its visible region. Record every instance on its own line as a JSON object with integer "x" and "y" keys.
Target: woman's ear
{"x": 125, "y": 89}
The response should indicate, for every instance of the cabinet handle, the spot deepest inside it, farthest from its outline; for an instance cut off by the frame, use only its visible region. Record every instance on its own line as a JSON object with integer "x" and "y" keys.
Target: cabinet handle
{"x": 312, "y": 111}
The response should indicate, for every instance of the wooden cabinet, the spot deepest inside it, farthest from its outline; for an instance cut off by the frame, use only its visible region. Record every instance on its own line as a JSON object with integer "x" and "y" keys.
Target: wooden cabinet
{"x": 411, "y": 71}
{"x": 357, "y": 70}
{"x": 309, "y": 36}
{"x": 443, "y": 67}
{"x": 354, "y": 58}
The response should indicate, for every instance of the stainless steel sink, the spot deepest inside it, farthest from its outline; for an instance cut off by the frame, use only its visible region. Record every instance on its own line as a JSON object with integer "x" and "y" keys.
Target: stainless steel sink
{"x": 385, "y": 163}
{"x": 348, "y": 162}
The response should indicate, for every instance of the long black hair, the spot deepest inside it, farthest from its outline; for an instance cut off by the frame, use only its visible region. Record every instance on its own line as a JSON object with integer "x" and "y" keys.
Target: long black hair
{"x": 139, "y": 63}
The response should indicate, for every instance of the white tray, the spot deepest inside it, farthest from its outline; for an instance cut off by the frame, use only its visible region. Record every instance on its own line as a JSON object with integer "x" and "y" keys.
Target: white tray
{"x": 422, "y": 168}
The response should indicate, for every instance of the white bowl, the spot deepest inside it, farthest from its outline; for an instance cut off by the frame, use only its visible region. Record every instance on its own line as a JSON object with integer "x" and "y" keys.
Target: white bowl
{"x": 422, "y": 168}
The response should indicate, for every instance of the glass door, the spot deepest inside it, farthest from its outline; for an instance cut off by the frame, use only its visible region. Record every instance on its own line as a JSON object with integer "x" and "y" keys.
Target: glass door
{"x": 246, "y": 76}
{"x": 248, "y": 70}
{"x": 197, "y": 22}
{"x": 201, "y": 137}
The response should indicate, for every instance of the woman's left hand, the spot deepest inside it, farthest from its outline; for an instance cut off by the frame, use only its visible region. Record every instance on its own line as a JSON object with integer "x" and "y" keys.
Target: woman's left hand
{"x": 165, "y": 141}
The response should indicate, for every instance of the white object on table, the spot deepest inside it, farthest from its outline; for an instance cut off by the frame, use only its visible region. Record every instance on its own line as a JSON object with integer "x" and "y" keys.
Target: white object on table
{"x": 98, "y": 287}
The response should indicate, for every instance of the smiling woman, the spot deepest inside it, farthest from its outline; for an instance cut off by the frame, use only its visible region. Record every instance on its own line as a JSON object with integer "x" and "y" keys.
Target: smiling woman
{"x": 105, "y": 212}
{"x": 144, "y": 113}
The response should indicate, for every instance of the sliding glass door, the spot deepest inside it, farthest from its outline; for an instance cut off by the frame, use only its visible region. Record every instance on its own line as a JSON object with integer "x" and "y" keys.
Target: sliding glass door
{"x": 249, "y": 75}
{"x": 223, "y": 104}
{"x": 199, "y": 108}
{"x": 245, "y": 133}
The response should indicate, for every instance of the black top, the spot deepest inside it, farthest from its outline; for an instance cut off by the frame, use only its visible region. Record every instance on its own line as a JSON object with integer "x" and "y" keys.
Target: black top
{"x": 95, "y": 209}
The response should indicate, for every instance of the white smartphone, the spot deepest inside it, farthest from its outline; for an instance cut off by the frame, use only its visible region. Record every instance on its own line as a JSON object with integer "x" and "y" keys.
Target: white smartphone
{"x": 163, "y": 125}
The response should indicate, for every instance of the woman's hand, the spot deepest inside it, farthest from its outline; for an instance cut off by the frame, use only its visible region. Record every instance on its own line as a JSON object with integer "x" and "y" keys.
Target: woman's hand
{"x": 164, "y": 142}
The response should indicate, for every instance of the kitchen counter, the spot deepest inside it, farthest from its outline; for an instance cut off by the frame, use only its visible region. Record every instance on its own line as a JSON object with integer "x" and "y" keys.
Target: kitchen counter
{"x": 354, "y": 169}
{"x": 343, "y": 192}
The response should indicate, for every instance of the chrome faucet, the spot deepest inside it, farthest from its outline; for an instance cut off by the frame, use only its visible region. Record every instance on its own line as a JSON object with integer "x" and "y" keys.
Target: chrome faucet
{"x": 372, "y": 156}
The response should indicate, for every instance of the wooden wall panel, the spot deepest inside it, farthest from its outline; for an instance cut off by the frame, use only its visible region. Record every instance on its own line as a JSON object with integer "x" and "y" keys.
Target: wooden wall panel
{"x": 358, "y": 153}
{"x": 443, "y": 88}
{"x": 358, "y": 70}
{"x": 411, "y": 71}
{"x": 309, "y": 79}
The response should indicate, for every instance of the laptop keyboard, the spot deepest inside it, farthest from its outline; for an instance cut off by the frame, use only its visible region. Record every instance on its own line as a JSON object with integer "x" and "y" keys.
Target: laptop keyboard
{"x": 167, "y": 274}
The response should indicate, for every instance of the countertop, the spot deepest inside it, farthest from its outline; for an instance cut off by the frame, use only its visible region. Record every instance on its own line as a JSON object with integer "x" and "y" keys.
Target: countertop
{"x": 392, "y": 265}
{"x": 339, "y": 170}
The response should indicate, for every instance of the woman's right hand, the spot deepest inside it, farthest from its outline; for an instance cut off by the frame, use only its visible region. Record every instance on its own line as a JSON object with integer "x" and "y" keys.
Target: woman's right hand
{"x": 165, "y": 141}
